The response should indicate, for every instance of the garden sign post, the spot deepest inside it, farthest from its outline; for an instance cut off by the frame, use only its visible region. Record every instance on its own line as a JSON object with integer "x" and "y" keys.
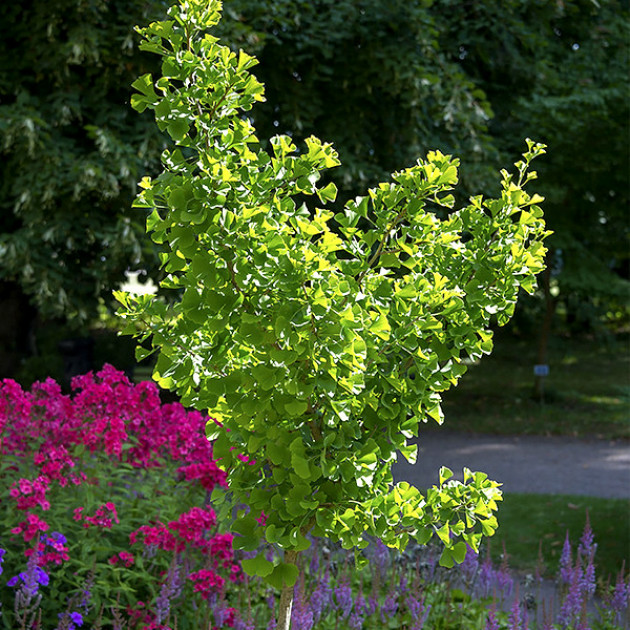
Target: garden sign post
{"x": 319, "y": 340}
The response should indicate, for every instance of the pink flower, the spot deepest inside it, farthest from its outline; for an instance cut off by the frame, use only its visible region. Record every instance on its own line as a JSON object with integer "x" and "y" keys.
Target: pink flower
{"x": 126, "y": 558}
{"x": 30, "y": 527}
{"x": 206, "y": 582}
{"x": 207, "y": 473}
{"x": 104, "y": 517}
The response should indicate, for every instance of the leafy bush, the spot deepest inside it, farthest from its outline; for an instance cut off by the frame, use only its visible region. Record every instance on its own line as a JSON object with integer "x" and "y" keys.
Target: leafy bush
{"x": 321, "y": 339}
{"x": 104, "y": 506}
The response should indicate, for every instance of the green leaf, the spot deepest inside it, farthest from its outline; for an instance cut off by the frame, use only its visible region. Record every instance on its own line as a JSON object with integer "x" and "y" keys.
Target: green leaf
{"x": 328, "y": 193}
{"x": 446, "y": 558}
{"x": 257, "y": 565}
{"x": 177, "y": 129}
{"x": 458, "y": 551}
{"x": 283, "y": 575}
{"x": 296, "y": 408}
{"x": 445, "y": 474}
{"x": 300, "y": 466}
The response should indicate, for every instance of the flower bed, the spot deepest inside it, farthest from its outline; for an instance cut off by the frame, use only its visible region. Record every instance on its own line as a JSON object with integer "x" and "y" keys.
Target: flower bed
{"x": 104, "y": 508}
{"x": 106, "y": 523}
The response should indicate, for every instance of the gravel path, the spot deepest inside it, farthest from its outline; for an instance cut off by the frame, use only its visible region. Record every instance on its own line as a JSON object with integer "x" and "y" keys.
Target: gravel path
{"x": 525, "y": 464}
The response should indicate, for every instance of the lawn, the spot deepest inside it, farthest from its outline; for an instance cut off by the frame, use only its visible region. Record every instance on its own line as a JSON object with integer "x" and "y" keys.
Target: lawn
{"x": 526, "y": 520}
{"x": 587, "y": 392}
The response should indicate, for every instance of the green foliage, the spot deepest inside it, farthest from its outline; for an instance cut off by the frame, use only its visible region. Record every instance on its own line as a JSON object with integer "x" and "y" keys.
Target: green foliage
{"x": 320, "y": 339}
{"x": 71, "y": 152}
{"x": 559, "y": 70}
{"x": 386, "y": 80}
{"x": 372, "y": 77}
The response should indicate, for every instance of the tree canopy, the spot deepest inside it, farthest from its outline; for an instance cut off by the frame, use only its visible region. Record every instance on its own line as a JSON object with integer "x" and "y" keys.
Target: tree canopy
{"x": 71, "y": 150}
{"x": 384, "y": 81}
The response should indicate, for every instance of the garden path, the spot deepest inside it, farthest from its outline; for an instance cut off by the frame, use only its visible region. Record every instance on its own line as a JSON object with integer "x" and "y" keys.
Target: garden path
{"x": 525, "y": 464}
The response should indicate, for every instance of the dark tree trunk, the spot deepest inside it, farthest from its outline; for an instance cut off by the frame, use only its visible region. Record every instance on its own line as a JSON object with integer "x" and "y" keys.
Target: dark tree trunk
{"x": 545, "y": 330}
{"x": 17, "y": 316}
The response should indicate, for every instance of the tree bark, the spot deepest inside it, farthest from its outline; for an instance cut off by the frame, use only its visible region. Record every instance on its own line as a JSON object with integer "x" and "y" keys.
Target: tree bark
{"x": 286, "y": 597}
{"x": 545, "y": 331}
{"x": 16, "y": 320}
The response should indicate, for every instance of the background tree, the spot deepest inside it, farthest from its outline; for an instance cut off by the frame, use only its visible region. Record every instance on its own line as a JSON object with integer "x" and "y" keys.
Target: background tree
{"x": 383, "y": 80}
{"x": 371, "y": 77}
{"x": 71, "y": 156}
{"x": 558, "y": 71}
{"x": 474, "y": 78}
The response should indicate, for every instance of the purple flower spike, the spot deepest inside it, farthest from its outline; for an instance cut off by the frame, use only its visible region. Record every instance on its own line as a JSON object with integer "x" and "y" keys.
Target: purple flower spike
{"x": 587, "y": 579}
{"x": 372, "y": 604}
{"x": 301, "y": 615}
{"x": 31, "y": 579}
{"x": 418, "y": 611}
{"x": 389, "y": 607}
{"x": 572, "y": 604}
{"x": 359, "y": 612}
{"x": 586, "y": 547}
{"x": 515, "y": 615}
{"x": 487, "y": 577}
{"x": 492, "y": 623}
{"x": 621, "y": 595}
{"x": 566, "y": 562}
{"x": 171, "y": 589}
{"x": 343, "y": 598}
{"x": 469, "y": 567}
{"x": 321, "y": 598}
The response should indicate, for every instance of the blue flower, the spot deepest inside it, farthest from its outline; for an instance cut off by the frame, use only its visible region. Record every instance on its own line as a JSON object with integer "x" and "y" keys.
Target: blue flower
{"x": 76, "y": 619}
{"x": 31, "y": 578}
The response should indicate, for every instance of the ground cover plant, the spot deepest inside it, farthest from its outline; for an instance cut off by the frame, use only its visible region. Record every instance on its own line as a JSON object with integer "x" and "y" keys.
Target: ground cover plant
{"x": 104, "y": 510}
{"x": 321, "y": 350}
{"x": 410, "y": 590}
{"x": 61, "y": 586}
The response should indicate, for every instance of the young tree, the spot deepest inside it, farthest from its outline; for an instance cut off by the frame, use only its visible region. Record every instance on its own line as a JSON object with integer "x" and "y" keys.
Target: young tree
{"x": 320, "y": 340}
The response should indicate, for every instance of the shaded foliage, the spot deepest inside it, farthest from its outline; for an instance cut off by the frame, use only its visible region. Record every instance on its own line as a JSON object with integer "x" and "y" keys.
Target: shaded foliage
{"x": 72, "y": 150}
{"x": 385, "y": 81}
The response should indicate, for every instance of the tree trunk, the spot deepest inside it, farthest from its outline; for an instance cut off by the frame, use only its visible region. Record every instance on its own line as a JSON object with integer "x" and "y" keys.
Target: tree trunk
{"x": 16, "y": 319}
{"x": 545, "y": 331}
{"x": 286, "y": 597}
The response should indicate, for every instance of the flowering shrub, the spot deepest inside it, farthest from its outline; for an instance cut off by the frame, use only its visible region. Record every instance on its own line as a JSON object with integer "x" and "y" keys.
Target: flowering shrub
{"x": 104, "y": 509}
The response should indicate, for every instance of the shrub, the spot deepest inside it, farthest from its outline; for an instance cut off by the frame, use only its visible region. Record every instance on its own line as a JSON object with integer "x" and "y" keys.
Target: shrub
{"x": 104, "y": 506}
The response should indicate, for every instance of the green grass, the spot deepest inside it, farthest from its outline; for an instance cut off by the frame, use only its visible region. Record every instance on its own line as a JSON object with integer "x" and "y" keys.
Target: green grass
{"x": 527, "y": 519}
{"x": 587, "y": 393}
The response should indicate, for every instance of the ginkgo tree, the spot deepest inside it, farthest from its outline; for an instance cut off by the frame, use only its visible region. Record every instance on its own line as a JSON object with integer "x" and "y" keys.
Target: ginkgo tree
{"x": 320, "y": 341}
